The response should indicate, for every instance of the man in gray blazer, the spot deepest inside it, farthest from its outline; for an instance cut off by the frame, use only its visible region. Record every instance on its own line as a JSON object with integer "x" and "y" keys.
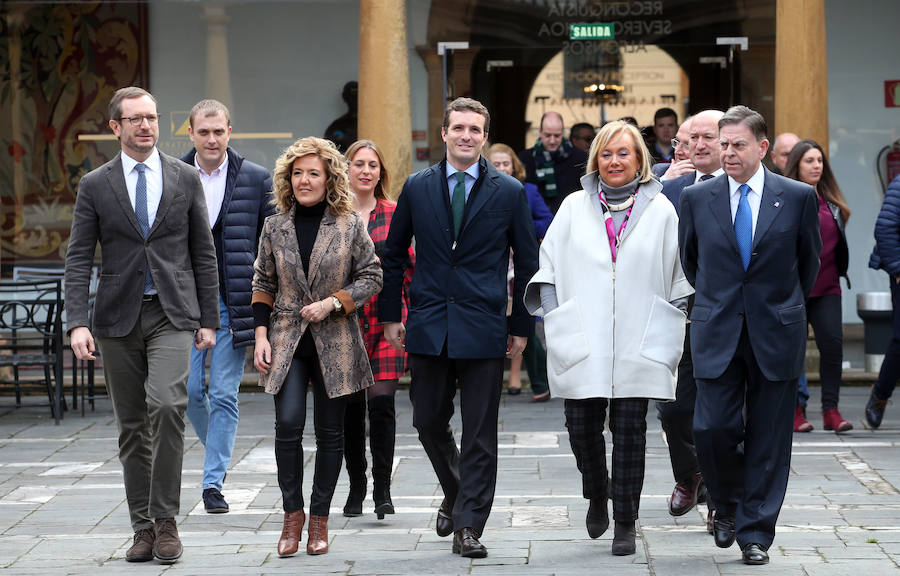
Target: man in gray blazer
{"x": 158, "y": 284}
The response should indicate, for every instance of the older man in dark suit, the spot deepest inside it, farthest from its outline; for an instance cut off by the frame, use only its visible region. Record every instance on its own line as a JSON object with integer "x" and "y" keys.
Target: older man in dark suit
{"x": 465, "y": 216}
{"x": 677, "y": 417}
{"x": 158, "y": 283}
{"x": 750, "y": 246}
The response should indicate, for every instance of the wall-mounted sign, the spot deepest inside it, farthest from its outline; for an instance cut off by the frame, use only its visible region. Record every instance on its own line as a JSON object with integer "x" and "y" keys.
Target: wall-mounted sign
{"x": 418, "y": 135}
{"x": 892, "y": 93}
{"x": 591, "y": 31}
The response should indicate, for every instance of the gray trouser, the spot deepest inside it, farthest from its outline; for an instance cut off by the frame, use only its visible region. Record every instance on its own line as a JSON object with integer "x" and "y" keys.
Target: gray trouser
{"x": 146, "y": 375}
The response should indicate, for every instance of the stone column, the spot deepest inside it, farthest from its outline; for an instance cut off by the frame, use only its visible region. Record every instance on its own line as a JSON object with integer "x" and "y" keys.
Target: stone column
{"x": 801, "y": 70}
{"x": 384, "y": 99}
{"x": 218, "y": 78}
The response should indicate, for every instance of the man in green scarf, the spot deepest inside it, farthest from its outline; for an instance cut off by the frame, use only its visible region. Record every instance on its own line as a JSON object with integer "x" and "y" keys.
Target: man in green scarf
{"x": 554, "y": 164}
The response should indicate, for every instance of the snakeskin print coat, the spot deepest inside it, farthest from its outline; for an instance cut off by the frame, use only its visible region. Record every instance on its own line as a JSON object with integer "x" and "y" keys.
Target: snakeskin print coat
{"x": 342, "y": 264}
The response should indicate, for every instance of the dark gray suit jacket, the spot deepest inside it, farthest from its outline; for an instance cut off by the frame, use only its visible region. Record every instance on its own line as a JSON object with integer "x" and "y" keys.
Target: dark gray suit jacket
{"x": 769, "y": 295}
{"x": 179, "y": 248}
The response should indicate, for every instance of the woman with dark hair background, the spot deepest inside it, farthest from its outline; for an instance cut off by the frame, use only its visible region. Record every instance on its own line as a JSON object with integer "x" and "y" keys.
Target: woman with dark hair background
{"x": 808, "y": 163}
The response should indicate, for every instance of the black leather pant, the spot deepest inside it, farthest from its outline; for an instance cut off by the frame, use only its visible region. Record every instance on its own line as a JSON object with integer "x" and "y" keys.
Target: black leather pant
{"x": 290, "y": 419}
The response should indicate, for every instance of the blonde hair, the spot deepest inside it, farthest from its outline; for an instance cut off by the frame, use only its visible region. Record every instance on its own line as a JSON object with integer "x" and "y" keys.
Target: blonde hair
{"x": 610, "y": 131}
{"x": 383, "y": 187}
{"x": 518, "y": 169}
{"x": 337, "y": 184}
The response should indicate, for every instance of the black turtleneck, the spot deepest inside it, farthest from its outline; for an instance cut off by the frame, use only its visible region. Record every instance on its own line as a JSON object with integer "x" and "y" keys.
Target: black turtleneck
{"x": 306, "y": 225}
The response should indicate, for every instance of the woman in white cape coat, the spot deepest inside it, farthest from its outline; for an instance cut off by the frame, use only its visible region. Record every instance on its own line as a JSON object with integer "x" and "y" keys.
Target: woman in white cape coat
{"x": 613, "y": 297}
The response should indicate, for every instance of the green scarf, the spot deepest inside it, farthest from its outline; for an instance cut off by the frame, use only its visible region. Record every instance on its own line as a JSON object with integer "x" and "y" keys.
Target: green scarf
{"x": 543, "y": 165}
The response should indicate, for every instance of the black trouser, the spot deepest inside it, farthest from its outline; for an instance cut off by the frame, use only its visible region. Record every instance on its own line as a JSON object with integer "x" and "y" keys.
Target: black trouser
{"x": 890, "y": 367}
{"x": 743, "y": 427}
{"x": 379, "y": 399}
{"x": 290, "y": 419}
{"x": 628, "y": 424}
{"x": 825, "y": 316}
{"x": 468, "y": 476}
{"x": 677, "y": 418}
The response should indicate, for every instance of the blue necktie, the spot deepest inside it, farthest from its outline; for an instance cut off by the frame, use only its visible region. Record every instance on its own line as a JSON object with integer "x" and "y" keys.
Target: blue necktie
{"x": 140, "y": 210}
{"x": 458, "y": 202}
{"x": 743, "y": 226}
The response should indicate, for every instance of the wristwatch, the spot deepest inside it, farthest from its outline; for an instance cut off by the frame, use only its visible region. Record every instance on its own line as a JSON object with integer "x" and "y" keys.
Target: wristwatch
{"x": 336, "y": 303}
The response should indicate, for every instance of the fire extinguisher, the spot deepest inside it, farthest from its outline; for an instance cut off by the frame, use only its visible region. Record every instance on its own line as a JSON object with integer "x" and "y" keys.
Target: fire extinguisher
{"x": 891, "y": 164}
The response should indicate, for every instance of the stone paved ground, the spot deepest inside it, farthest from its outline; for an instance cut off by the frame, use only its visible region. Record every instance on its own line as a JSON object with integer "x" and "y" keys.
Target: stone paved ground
{"x": 62, "y": 508}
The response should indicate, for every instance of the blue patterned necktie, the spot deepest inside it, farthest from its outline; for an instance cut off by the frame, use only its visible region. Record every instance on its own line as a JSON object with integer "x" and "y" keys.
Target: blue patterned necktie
{"x": 458, "y": 202}
{"x": 743, "y": 226}
{"x": 140, "y": 210}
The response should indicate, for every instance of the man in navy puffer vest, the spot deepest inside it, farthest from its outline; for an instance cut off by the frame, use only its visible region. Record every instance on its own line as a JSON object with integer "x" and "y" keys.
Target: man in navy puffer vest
{"x": 886, "y": 256}
{"x": 237, "y": 195}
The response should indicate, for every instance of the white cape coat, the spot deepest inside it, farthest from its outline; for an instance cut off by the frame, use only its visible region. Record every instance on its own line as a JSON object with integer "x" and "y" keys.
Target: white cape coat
{"x": 613, "y": 335}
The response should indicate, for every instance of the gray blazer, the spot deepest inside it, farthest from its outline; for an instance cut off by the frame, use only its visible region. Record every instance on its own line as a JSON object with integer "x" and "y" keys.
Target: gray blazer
{"x": 179, "y": 248}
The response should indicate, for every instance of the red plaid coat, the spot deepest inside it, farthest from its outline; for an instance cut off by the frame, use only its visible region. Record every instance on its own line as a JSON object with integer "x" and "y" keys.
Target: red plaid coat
{"x": 387, "y": 363}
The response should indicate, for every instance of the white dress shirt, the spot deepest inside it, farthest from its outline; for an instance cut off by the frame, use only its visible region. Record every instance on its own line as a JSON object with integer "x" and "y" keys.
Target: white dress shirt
{"x": 756, "y": 183}
{"x": 153, "y": 174}
{"x": 214, "y": 188}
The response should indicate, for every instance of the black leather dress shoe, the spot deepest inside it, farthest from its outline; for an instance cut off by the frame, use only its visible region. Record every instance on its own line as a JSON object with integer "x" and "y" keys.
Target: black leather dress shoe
{"x": 755, "y": 555}
{"x": 723, "y": 530}
{"x": 444, "y": 523}
{"x": 466, "y": 544}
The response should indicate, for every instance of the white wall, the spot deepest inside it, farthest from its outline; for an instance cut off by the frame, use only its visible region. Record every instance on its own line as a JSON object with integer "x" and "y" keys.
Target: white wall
{"x": 288, "y": 63}
{"x": 862, "y": 54}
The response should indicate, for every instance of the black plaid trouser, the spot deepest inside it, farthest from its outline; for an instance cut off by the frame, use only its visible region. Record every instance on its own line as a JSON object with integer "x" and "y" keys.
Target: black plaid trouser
{"x": 628, "y": 425}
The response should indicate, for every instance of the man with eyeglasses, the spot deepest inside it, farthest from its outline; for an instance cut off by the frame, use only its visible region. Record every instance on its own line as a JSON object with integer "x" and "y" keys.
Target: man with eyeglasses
{"x": 158, "y": 291}
{"x": 582, "y": 135}
{"x": 677, "y": 418}
{"x": 750, "y": 247}
{"x": 681, "y": 160}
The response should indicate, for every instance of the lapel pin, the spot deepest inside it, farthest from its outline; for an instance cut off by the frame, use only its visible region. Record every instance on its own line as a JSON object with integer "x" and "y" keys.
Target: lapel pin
{"x": 777, "y": 204}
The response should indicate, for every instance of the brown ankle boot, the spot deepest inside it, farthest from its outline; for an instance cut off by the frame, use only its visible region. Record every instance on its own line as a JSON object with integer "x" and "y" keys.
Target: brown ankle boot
{"x": 317, "y": 535}
{"x": 291, "y": 533}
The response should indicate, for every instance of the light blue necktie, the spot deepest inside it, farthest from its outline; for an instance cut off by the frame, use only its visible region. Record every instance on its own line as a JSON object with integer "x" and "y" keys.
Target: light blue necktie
{"x": 743, "y": 226}
{"x": 140, "y": 210}
{"x": 458, "y": 202}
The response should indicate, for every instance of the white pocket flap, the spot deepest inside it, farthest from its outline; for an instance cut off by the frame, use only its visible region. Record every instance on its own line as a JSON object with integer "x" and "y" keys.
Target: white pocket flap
{"x": 566, "y": 342}
{"x": 663, "y": 339}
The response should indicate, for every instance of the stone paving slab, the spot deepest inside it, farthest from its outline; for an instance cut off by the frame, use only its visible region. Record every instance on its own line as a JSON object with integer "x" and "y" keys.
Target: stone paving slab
{"x": 62, "y": 508}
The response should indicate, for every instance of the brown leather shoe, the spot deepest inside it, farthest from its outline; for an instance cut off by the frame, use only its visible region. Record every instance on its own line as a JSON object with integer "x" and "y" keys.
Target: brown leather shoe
{"x": 684, "y": 496}
{"x": 317, "y": 535}
{"x": 168, "y": 546}
{"x": 142, "y": 549}
{"x": 291, "y": 532}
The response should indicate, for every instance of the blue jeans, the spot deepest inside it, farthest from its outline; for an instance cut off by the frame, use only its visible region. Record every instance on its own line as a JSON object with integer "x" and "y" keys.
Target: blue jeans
{"x": 802, "y": 390}
{"x": 214, "y": 415}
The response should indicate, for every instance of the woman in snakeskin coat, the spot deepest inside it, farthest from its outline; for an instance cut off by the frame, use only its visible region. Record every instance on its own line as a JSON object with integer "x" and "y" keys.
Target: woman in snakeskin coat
{"x": 315, "y": 266}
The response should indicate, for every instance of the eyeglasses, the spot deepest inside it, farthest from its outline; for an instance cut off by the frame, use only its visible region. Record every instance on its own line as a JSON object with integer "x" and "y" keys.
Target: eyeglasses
{"x": 151, "y": 119}
{"x": 676, "y": 143}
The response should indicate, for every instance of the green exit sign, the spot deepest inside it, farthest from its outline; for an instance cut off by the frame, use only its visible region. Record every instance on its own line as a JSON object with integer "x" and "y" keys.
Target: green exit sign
{"x": 591, "y": 31}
